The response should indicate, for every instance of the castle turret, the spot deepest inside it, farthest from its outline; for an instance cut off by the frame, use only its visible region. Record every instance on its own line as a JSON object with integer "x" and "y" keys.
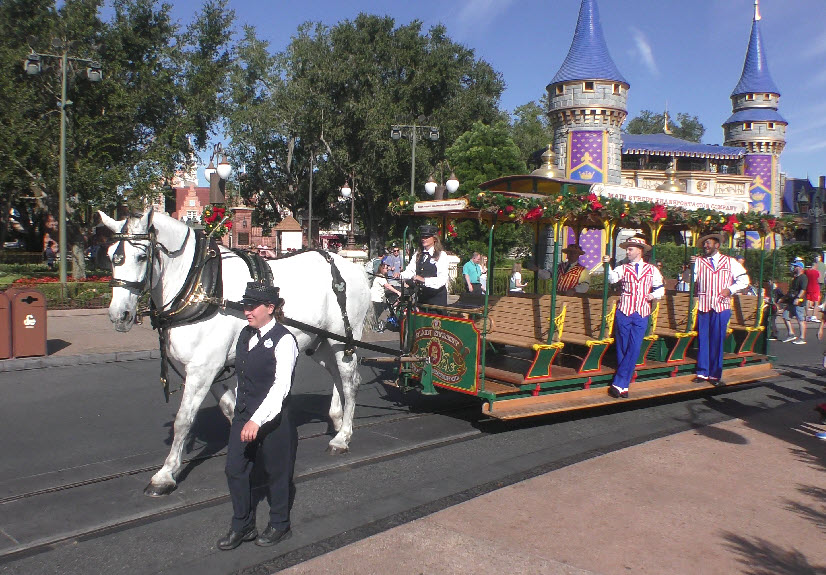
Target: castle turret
{"x": 588, "y": 99}
{"x": 756, "y": 124}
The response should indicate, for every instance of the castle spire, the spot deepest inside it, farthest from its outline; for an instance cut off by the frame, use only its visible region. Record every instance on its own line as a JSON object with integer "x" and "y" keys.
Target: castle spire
{"x": 588, "y": 58}
{"x": 756, "y": 77}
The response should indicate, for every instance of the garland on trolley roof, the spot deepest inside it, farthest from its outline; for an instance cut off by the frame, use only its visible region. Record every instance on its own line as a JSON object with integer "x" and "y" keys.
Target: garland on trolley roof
{"x": 589, "y": 209}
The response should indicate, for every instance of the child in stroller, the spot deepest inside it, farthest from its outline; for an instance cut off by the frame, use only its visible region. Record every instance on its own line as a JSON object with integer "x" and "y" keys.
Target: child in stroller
{"x": 384, "y": 296}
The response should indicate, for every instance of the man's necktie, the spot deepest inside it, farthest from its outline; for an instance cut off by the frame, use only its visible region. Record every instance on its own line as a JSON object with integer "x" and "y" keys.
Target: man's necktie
{"x": 637, "y": 269}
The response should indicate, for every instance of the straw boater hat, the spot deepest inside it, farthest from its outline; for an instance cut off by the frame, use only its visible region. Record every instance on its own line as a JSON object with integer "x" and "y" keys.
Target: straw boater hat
{"x": 636, "y": 242}
{"x": 573, "y": 250}
{"x": 258, "y": 293}
{"x": 428, "y": 230}
{"x": 719, "y": 236}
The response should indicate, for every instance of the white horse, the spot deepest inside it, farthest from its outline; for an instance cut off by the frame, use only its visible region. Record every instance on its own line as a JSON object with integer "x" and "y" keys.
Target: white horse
{"x": 159, "y": 250}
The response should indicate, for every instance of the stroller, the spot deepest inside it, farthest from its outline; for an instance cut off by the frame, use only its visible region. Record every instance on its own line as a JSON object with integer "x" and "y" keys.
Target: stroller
{"x": 394, "y": 306}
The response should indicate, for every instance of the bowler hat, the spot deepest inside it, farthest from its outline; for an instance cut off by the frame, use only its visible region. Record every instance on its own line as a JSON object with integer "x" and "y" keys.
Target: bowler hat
{"x": 636, "y": 242}
{"x": 428, "y": 230}
{"x": 258, "y": 293}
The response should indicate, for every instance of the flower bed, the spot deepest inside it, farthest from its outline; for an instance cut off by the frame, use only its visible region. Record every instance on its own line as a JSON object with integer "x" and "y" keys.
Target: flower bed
{"x": 93, "y": 292}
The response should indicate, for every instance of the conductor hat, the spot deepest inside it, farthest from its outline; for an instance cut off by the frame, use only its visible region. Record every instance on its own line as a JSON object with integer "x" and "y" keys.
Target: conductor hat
{"x": 428, "y": 230}
{"x": 259, "y": 293}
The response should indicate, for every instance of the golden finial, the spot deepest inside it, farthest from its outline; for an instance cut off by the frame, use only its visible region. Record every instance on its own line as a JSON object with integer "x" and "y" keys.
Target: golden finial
{"x": 548, "y": 168}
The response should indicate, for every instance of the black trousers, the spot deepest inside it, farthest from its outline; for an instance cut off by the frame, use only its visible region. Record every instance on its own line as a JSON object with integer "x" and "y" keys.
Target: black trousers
{"x": 433, "y": 296}
{"x": 275, "y": 448}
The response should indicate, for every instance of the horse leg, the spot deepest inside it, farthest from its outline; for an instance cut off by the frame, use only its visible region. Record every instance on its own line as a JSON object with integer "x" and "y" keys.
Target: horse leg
{"x": 346, "y": 380}
{"x": 226, "y": 400}
{"x": 195, "y": 389}
{"x": 336, "y": 410}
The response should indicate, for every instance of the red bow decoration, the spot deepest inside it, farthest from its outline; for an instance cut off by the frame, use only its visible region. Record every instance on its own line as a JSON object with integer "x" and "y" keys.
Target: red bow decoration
{"x": 771, "y": 223}
{"x": 593, "y": 201}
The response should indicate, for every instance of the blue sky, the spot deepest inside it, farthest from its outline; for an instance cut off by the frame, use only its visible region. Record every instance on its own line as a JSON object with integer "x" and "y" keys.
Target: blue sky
{"x": 688, "y": 53}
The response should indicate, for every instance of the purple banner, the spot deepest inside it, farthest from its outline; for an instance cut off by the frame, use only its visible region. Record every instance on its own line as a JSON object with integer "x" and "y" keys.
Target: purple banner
{"x": 591, "y": 242}
{"x": 759, "y": 167}
{"x": 585, "y": 157}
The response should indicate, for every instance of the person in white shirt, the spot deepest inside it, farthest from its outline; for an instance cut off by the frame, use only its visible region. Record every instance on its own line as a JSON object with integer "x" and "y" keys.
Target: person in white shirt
{"x": 379, "y": 289}
{"x": 262, "y": 431}
{"x": 641, "y": 284}
{"x": 428, "y": 268}
{"x": 515, "y": 284}
{"x": 716, "y": 278}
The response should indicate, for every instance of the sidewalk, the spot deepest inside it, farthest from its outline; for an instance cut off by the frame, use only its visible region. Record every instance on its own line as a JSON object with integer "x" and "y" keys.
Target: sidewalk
{"x": 737, "y": 497}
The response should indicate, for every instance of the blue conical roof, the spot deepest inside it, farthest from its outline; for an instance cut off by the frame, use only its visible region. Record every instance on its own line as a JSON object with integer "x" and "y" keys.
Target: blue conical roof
{"x": 588, "y": 58}
{"x": 756, "y": 77}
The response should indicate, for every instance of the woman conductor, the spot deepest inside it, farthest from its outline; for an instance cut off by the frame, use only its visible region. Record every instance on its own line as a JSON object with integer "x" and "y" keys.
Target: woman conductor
{"x": 262, "y": 430}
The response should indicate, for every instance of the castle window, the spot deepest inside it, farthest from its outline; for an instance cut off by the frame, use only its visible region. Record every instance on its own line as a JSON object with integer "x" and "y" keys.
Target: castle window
{"x": 587, "y": 86}
{"x": 771, "y": 125}
{"x": 560, "y": 89}
{"x": 747, "y": 125}
{"x": 616, "y": 88}
{"x": 767, "y": 96}
{"x": 749, "y": 97}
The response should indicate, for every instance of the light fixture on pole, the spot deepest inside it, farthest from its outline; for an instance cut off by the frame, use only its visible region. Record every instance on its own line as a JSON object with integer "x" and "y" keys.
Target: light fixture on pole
{"x": 439, "y": 191}
{"x": 218, "y": 175}
{"x": 346, "y": 192}
{"x": 414, "y": 132}
{"x": 33, "y": 65}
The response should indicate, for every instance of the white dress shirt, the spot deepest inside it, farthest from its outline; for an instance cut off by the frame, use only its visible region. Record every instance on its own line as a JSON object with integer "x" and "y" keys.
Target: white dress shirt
{"x": 738, "y": 272}
{"x": 441, "y": 270}
{"x": 286, "y": 354}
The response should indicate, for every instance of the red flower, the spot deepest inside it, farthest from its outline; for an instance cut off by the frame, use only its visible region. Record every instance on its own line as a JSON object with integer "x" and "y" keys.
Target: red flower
{"x": 509, "y": 209}
{"x": 658, "y": 212}
{"x": 732, "y": 221}
{"x": 534, "y": 214}
{"x": 771, "y": 223}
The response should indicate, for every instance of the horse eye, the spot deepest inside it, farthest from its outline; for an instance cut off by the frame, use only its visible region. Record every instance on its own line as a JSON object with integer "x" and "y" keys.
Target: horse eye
{"x": 142, "y": 258}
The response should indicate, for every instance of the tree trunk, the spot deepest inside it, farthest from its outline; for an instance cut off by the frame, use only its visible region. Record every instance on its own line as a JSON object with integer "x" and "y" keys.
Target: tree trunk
{"x": 78, "y": 262}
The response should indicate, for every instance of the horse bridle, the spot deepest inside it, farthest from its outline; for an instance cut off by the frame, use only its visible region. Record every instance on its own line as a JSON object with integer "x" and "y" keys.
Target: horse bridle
{"x": 119, "y": 257}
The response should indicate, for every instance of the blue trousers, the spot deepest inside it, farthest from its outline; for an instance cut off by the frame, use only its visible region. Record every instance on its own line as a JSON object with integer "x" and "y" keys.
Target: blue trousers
{"x": 711, "y": 334}
{"x": 628, "y": 336}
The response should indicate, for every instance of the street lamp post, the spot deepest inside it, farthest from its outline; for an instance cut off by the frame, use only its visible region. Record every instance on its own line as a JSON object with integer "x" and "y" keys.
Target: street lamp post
{"x": 94, "y": 73}
{"x": 414, "y": 132}
{"x": 218, "y": 175}
{"x": 440, "y": 191}
{"x": 346, "y": 192}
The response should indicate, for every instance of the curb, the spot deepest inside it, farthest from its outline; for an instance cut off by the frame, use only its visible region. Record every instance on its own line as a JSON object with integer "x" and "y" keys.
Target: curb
{"x": 25, "y": 363}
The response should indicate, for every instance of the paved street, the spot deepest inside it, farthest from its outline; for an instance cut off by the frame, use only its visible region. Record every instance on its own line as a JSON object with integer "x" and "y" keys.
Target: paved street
{"x": 87, "y": 439}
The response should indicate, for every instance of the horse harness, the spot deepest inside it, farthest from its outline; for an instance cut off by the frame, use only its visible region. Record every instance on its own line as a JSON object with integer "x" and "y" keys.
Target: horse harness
{"x": 201, "y": 295}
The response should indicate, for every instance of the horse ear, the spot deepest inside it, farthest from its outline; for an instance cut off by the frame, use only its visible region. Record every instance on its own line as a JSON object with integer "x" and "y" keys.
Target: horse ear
{"x": 114, "y": 225}
{"x": 170, "y": 233}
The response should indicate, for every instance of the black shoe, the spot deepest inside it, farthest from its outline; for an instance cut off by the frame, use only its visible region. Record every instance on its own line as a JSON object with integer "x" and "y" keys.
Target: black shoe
{"x": 717, "y": 382}
{"x": 234, "y": 538}
{"x": 271, "y": 536}
{"x": 616, "y": 393}
{"x": 699, "y": 380}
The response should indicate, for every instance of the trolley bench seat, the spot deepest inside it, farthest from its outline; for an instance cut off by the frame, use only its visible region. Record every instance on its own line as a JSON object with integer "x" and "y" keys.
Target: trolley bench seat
{"x": 524, "y": 321}
{"x": 748, "y": 318}
{"x": 673, "y": 323}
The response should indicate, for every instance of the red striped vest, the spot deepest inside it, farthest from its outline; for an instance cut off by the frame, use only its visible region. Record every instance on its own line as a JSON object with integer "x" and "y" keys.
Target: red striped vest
{"x": 635, "y": 289}
{"x": 711, "y": 281}
{"x": 570, "y": 279}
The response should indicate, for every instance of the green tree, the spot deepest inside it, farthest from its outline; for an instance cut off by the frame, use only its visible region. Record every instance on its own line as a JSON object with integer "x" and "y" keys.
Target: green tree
{"x": 334, "y": 92}
{"x": 683, "y": 126}
{"x": 125, "y": 135}
{"x": 483, "y": 153}
{"x": 531, "y": 130}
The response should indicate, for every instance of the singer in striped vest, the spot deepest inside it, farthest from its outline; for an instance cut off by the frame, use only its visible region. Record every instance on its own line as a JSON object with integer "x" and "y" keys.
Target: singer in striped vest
{"x": 572, "y": 278}
{"x": 641, "y": 283}
{"x": 716, "y": 278}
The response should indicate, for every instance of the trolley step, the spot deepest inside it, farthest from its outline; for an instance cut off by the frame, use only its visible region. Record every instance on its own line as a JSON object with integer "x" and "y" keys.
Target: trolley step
{"x": 595, "y": 397}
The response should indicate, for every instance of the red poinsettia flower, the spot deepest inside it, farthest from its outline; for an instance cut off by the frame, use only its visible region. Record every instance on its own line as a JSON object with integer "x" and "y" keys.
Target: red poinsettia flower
{"x": 771, "y": 223}
{"x": 508, "y": 209}
{"x": 658, "y": 212}
{"x": 732, "y": 221}
{"x": 534, "y": 214}
{"x": 228, "y": 225}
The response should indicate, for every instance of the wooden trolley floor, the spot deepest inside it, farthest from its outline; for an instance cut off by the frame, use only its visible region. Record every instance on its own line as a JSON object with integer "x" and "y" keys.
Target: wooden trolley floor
{"x": 597, "y": 396}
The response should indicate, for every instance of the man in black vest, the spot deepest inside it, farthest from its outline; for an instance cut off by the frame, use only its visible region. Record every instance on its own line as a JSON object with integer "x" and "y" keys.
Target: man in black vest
{"x": 261, "y": 427}
{"x": 429, "y": 268}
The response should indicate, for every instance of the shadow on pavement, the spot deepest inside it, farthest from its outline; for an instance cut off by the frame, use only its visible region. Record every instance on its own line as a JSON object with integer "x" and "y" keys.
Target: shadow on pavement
{"x": 761, "y": 557}
{"x": 55, "y": 345}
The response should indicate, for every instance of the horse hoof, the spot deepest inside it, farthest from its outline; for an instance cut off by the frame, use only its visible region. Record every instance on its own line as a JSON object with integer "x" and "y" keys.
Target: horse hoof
{"x": 153, "y": 490}
{"x": 333, "y": 450}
